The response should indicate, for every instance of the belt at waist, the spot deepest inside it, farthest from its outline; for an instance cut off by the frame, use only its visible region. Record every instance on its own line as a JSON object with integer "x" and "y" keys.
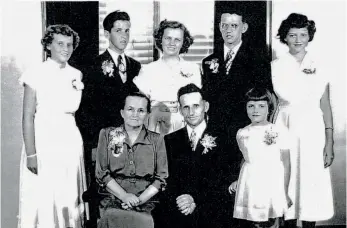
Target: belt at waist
{"x": 133, "y": 179}
{"x": 165, "y": 106}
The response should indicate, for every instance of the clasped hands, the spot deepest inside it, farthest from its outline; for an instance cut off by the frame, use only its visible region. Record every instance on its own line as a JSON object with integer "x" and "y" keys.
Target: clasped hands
{"x": 130, "y": 200}
{"x": 185, "y": 204}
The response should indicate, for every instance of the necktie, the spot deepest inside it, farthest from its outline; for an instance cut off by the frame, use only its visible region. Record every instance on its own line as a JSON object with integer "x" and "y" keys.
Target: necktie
{"x": 229, "y": 60}
{"x": 193, "y": 140}
{"x": 121, "y": 68}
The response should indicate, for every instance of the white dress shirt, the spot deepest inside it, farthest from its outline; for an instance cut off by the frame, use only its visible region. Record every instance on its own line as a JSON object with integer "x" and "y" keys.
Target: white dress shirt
{"x": 199, "y": 130}
{"x": 234, "y": 49}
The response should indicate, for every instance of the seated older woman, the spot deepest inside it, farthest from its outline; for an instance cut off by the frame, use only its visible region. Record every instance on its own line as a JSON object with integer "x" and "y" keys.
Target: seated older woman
{"x": 131, "y": 168}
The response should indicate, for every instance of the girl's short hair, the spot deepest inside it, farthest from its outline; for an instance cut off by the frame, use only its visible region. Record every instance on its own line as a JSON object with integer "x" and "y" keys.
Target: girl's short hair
{"x": 62, "y": 29}
{"x": 296, "y": 20}
{"x": 260, "y": 94}
{"x": 159, "y": 32}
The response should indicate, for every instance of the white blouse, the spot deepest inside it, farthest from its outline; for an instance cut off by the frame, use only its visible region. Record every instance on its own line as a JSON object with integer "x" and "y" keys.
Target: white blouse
{"x": 162, "y": 82}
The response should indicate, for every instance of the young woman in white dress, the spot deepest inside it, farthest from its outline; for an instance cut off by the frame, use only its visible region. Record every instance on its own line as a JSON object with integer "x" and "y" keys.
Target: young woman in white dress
{"x": 52, "y": 166}
{"x": 304, "y": 108}
{"x": 262, "y": 187}
{"x": 161, "y": 80}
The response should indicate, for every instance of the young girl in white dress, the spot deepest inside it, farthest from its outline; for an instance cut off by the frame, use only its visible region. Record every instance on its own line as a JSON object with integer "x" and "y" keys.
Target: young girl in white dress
{"x": 262, "y": 187}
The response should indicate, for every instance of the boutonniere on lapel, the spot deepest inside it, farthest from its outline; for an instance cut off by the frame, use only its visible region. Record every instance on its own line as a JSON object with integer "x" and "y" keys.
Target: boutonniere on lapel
{"x": 107, "y": 68}
{"x": 214, "y": 65}
{"x": 117, "y": 137}
{"x": 77, "y": 84}
{"x": 270, "y": 136}
{"x": 208, "y": 142}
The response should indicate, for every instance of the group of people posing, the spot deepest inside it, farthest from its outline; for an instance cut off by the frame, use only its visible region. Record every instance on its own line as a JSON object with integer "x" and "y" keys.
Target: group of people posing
{"x": 236, "y": 142}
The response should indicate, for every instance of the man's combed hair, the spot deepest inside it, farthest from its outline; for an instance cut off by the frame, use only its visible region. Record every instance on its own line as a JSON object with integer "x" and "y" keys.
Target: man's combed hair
{"x": 190, "y": 88}
{"x": 111, "y": 18}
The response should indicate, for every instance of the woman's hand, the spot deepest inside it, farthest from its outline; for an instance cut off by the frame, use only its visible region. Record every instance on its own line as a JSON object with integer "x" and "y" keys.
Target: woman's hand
{"x": 233, "y": 187}
{"x": 32, "y": 164}
{"x": 289, "y": 201}
{"x": 130, "y": 200}
{"x": 328, "y": 155}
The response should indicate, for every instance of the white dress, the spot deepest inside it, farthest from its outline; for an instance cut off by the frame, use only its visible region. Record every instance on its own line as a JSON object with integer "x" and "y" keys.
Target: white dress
{"x": 260, "y": 190}
{"x": 52, "y": 199}
{"x": 161, "y": 83}
{"x": 299, "y": 110}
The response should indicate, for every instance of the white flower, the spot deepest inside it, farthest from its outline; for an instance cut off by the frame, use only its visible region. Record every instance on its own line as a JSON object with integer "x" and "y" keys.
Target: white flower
{"x": 117, "y": 138}
{"x": 77, "y": 84}
{"x": 208, "y": 142}
{"x": 213, "y": 65}
{"x": 270, "y": 136}
{"x": 107, "y": 68}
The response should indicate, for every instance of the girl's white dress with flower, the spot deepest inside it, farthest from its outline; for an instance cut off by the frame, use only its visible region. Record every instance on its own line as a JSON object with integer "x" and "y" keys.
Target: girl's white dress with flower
{"x": 260, "y": 191}
{"x": 299, "y": 110}
{"x": 52, "y": 199}
{"x": 161, "y": 83}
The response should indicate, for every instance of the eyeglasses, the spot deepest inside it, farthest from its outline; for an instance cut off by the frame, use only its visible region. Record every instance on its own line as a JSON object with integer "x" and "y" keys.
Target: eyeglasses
{"x": 225, "y": 26}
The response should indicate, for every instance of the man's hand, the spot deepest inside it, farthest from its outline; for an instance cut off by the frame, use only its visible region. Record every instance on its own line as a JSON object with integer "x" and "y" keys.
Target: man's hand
{"x": 185, "y": 204}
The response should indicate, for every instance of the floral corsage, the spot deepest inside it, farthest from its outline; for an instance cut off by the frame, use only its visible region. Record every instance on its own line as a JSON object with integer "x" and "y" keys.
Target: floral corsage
{"x": 208, "y": 142}
{"x": 270, "y": 136}
{"x": 309, "y": 71}
{"x": 117, "y": 138}
{"x": 77, "y": 84}
{"x": 107, "y": 68}
{"x": 214, "y": 65}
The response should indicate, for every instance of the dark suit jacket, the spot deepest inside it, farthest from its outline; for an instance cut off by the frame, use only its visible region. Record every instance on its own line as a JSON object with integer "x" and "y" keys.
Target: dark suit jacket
{"x": 102, "y": 98}
{"x": 226, "y": 93}
{"x": 204, "y": 176}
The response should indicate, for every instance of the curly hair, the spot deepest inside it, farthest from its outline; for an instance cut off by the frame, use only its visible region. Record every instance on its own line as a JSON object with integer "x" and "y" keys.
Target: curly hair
{"x": 59, "y": 29}
{"x": 159, "y": 32}
{"x": 111, "y": 18}
{"x": 296, "y": 20}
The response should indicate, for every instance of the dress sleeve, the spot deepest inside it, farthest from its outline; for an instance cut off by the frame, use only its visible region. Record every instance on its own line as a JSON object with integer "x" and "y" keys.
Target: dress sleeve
{"x": 143, "y": 81}
{"x": 196, "y": 78}
{"x": 161, "y": 172}
{"x": 29, "y": 78}
{"x": 239, "y": 139}
{"x": 102, "y": 173}
{"x": 284, "y": 139}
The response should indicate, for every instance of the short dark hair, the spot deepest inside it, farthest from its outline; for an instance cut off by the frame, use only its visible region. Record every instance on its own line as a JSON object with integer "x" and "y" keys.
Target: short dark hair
{"x": 296, "y": 20}
{"x": 138, "y": 94}
{"x": 62, "y": 29}
{"x": 260, "y": 94}
{"x": 238, "y": 11}
{"x": 159, "y": 32}
{"x": 111, "y": 18}
{"x": 190, "y": 88}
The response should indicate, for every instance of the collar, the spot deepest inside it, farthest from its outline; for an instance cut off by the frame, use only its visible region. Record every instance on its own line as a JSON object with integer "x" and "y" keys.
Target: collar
{"x": 142, "y": 138}
{"x": 55, "y": 64}
{"x": 235, "y": 49}
{"x": 115, "y": 55}
{"x": 199, "y": 130}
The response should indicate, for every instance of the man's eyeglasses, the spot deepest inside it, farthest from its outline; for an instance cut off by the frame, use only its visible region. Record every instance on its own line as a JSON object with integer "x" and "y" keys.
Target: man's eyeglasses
{"x": 225, "y": 26}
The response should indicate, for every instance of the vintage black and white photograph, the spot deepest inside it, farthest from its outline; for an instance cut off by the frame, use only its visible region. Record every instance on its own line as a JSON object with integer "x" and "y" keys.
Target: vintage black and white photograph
{"x": 173, "y": 114}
